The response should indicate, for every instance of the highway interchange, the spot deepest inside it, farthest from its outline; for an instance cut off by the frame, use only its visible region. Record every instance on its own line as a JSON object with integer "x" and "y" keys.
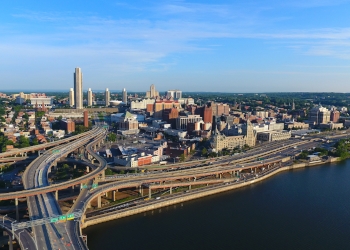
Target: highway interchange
{"x": 42, "y": 202}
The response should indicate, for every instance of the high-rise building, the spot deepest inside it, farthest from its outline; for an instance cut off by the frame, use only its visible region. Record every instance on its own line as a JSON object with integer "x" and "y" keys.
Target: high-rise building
{"x": 71, "y": 97}
{"x": 152, "y": 93}
{"x": 125, "y": 96}
{"x": 89, "y": 100}
{"x": 319, "y": 114}
{"x": 107, "y": 97}
{"x": 161, "y": 105}
{"x": 78, "y": 88}
{"x": 86, "y": 118}
{"x": 335, "y": 115}
{"x": 176, "y": 94}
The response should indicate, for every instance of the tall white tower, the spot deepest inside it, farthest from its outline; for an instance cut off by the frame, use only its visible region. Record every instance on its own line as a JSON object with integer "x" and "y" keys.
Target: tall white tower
{"x": 107, "y": 97}
{"x": 71, "y": 97}
{"x": 125, "y": 96}
{"x": 78, "y": 88}
{"x": 89, "y": 100}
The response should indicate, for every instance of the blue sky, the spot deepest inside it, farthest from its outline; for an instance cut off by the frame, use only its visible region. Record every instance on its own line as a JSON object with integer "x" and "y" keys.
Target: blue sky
{"x": 226, "y": 46}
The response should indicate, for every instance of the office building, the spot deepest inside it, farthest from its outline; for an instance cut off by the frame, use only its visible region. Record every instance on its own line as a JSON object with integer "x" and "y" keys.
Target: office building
{"x": 89, "y": 100}
{"x": 152, "y": 93}
{"x": 86, "y": 118}
{"x": 182, "y": 121}
{"x": 107, "y": 97}
{"x": 42, "y": 102}
{"x": 161, "y": 105}
{"x": 176, "y": 94}
{"x": 335, "y": 115}
{"x": 142, "y": 104}
{"x": 319, "y": 114}
{"x": 78, "y": 88}
{"x": 71, "y": 97}
{"x": 220, "y": 141}
{"x": 125, "y": 96}
{"x": 274, "y": 135}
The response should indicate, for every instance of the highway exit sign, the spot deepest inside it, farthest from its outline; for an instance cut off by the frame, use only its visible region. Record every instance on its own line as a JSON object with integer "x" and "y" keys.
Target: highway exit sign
{"x": 54, "y": 220}
{"x": 62, "y": 218}
{"x": 70, "y": 216}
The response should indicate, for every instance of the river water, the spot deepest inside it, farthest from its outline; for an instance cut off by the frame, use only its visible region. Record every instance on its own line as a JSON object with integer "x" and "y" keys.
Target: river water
{"x": 299, "y": 209}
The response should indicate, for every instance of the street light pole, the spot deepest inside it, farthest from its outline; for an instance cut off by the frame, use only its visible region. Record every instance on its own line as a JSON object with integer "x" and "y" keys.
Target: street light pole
{"x": 19, "y": 236}
{"x": 3, "y": 219}
{"x": 13, "y": 231}
{"x": 84, "y": 238}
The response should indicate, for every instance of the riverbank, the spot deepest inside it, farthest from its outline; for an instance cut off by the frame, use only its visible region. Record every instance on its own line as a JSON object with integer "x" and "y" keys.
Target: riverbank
{"x": 194, "y": 194}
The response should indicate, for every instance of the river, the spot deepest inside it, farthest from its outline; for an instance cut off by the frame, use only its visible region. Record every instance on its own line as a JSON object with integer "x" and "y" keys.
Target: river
{"x": 299, "y": 209}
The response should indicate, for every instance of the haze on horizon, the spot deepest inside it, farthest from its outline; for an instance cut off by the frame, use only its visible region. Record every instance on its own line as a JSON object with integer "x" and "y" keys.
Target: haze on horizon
{"x": 240, "y": 46}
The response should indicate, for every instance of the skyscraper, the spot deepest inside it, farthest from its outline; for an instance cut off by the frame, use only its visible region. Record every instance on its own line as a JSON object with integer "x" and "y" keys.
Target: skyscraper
{"x": 89, "y": 100}
{"x": 107, "y": 97}
{"x": 78, "y": 88}
{"x": 71, "y": 97}
{"x": 125, "y": 96}
{"x": 152, "y": 93}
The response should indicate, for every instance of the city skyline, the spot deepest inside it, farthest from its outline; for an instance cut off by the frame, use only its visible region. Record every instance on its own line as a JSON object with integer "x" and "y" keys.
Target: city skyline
{"x": 268, "y": 47}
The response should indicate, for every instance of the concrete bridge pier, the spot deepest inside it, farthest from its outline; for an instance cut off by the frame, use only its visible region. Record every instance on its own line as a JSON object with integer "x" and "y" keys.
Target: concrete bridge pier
{"x": 17, "y": 212}
{"x": 171, "y": 190}
{"x": 56, "y": 195}
{"x": 113, "y": 194}
{"x": 99, "y": 202}
{"x": 87, "y": 169}
{"x": 10, "y": 243}
{"x": 82, "y": 221}
{"x": 189, "y": 187}
{"x": 149, "y": 192}
{"x": 141, "y": 190}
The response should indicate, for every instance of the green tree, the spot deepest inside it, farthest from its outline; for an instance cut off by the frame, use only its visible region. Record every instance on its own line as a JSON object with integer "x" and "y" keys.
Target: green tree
{"x": 35, "y": 141}
{"x": 23, "y": 142}
{"x": 182, "y": 157}
{"x": 204, "y": 152}
{"x": 112, "y": 137}
{"x": 108, "y": 171}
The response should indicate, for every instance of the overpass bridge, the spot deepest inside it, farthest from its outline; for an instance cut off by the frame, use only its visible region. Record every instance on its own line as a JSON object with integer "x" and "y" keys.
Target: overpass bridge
{"x": 44, "y": 196}
{"x": 42, "y": 202}
{"x": 23, "y": 236}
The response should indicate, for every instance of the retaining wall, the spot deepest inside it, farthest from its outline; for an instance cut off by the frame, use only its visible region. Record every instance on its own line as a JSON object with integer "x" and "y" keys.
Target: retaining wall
{"x": 186, "y": 197}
